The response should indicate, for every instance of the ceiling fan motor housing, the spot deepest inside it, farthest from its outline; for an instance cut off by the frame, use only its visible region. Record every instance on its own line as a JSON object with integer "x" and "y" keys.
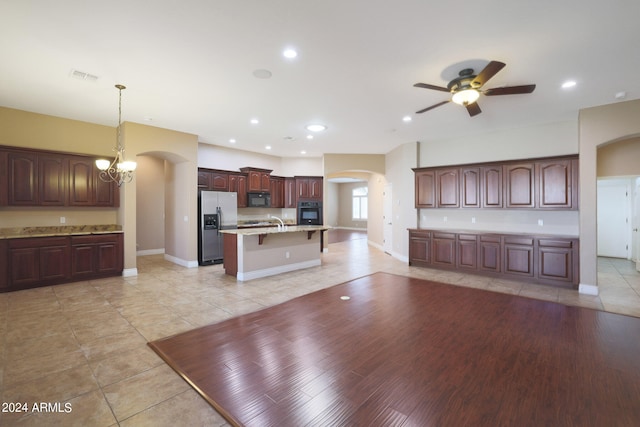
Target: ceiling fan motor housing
{"x": 463, "y": 82}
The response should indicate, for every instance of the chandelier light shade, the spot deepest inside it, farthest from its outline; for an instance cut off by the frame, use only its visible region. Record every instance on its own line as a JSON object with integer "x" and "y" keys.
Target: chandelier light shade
{"x": 118, "y": 170}
{"x": 465, "y": 97}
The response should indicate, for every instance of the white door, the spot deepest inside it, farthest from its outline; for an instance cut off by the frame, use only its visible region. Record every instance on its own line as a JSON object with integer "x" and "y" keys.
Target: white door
{"x": 387, "y": 230}
{"x": 613, "y": 218}
{"x": 635, "y": 236}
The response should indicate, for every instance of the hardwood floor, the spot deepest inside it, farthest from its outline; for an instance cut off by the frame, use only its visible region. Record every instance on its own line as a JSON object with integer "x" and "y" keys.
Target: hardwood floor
{"x": 342, "y": 235}
{"x": 404, "y": 351}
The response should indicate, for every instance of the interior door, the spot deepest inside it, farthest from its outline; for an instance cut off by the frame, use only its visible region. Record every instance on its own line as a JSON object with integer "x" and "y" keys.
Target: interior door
{"x": 613, "y": 215}
{"x": 387, "y": 230}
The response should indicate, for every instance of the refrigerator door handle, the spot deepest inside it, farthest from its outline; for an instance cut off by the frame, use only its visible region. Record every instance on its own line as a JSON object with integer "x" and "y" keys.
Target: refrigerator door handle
{"x": 219, "y": 213}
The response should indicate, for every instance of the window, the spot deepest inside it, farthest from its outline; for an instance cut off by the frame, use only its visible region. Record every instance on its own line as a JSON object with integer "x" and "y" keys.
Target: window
{"x": 359, "y": 204}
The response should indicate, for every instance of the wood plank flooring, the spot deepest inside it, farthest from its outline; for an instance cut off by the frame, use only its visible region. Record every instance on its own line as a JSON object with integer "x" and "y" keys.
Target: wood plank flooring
{"x": 409, "y": 352}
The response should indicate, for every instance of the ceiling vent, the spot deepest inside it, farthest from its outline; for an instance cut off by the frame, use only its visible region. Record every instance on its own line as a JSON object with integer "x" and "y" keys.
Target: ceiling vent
{"x": 81, "y": 75}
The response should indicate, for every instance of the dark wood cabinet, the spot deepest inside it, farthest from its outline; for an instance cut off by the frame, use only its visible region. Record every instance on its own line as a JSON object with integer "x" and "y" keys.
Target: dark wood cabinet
{"x": 519, "y": 185}
{"x": 23, "y": 179}
{"x": 46, "y": 178}
{"x": 96, "y": 255}
{"x": 556, "y": 182}
{"x": 425, "y": 189}
{"x": 277, "y": 192}
{"x": 467, "y": 251}
{"x": 540, "y": 259}
{"x": 518, "y": 255}
{"x": 238, "y": 183}
{"x": 290, "y": 199}
{"x": 204, "y": 179}
{"x": 491, "y": 182}
{"x": 258, "y": 179}
{"x": 447, "y": 188}
{"x": 549, "y": 183}
{"x": 37, "y": 261}
{"x": 443, "y": 249}
{"x": 420, "y": 248}
{"x": 308, "y": 187}
{"x": 42, "y": 261}
{"x": 489, "y": 253}
{"x": 470, "y": 187}
{"x": 219, "y": 181}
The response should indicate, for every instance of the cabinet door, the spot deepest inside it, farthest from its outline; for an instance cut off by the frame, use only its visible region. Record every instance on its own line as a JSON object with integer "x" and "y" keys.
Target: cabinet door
{"x": 204, "y": 180}
{"x": 519, "y": 185}
{"x": 447, "y": 188}
{"x": 254, "y": 181}
{"x": 489, "y": 256}
{"x": 4, "y": 270}
{"x": 105, "y": 193}
{"x": 81, "y": 182}
{"x": 108, "y": 260}
{"x": 555, "y": 184}
{"x": 315, "y": 188}
{"x": 290, "y": 200}
{"x": 467, "y": 256}
{"x": 491, "y": 193}
{"x": 265, "y": 182}
{"x": 24, "y": 264}
{"x": 22, "y": 179}
{"x": 238, "y": 183}
{"x": 52, "y": 180}
{"x": 219, "y": 181}
{"x": 425, "y": 187}
{"x": 419, "y": 248}
{"x": 83, "y": 260}
{"x": 518, "y": 256}
{"x": 443, "y": 249}
{"x": 277, "y": 192}
{"x": 54, "y": 263}
{"x": 555, "y": 259}
{"x": 302, "y": 188}
{"x": 470, "y": 187}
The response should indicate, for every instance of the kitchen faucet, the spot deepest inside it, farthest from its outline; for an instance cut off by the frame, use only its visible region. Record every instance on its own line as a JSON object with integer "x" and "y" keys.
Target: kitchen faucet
{"x": 281, "y": 225}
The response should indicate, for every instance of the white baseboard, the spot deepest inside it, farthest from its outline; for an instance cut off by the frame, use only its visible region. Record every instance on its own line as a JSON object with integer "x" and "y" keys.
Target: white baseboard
{"x": 587, "y": 289}
{"x": 150, "y": 252}
{"x": 179, "y": 261}
{"x": 272, "y": 271}
{"x": 129, "y": 272}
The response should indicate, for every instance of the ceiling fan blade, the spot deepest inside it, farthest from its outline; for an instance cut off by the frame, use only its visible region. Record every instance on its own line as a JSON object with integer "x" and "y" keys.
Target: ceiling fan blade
{"x": 510, "y": 90}
{"x": 473, "y": 109}
{"x": 432, "y": 107}
{"x": 428, "y": 86}
{"x": 489, "y": 71}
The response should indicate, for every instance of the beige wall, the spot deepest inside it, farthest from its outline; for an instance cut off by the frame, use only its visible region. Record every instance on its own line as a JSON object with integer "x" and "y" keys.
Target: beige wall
{"x": 31, "y": 130}
{"x": 621, "y": 158}
{"x": 150, "y": 204}
{"x": 336, "y": 163}
{"x": 598, "y": 126}
{"x": 345, "y": 204}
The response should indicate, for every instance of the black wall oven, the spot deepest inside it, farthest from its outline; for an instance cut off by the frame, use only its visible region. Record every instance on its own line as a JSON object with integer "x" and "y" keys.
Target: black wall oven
{"x": 309, "y": 213}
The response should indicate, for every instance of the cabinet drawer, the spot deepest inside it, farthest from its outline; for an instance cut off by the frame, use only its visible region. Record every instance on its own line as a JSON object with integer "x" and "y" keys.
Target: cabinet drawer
{"x": 419, "y": 235}
{"x": 467, "y": 237}
{"x": 515, "y": 240}
{"x": 555, "y": 243}
{"x": 451, "y": 236}
{"x": 490, "y": 238}
{"x": 37, "y": 242}
{"x": 93, "y": 239}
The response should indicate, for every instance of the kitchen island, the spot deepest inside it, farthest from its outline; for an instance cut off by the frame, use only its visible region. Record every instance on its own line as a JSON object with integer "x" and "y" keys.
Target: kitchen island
{"x": 251, "y": 253}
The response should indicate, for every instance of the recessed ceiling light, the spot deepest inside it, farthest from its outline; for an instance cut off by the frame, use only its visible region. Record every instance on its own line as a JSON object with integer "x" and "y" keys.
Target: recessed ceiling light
{"x": 267, "y": 147}
{"x": 345, "y": 298}
{"x": 568, "y": 84}
{"x": 232, "y": 141}
{"x": 254, "y": 121}
{"x": 262, "y": 74}
{"x": 303, "y": 152}
{"x": 316, "y": 128}
{"x": 406, "y": 119}
{"x": 290, "y": 53}
{"x": 309, "y": 136}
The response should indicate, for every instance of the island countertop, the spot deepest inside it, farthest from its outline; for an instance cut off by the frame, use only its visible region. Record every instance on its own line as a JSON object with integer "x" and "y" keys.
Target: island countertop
{"x": 274, "y": 230}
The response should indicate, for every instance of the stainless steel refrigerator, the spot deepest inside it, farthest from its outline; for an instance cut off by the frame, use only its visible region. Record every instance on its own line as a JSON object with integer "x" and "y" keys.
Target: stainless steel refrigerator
{"x": 217, "y": 210}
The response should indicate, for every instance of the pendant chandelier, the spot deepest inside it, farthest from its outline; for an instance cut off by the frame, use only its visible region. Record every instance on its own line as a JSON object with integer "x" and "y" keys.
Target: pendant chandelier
{"x": 118, "y": 170}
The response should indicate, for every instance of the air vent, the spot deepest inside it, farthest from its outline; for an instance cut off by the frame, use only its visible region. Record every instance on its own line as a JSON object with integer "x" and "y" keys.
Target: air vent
{"x": 81, "y": 75}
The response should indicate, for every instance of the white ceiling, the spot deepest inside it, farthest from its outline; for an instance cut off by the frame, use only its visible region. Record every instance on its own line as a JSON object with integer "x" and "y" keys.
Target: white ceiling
{"x": 188, "y": 65}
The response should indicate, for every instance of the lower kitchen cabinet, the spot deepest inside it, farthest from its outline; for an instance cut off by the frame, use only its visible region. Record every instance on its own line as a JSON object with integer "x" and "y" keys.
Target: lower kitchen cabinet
{"x": 42, "y": 261}
{"x": 535, "y": 258}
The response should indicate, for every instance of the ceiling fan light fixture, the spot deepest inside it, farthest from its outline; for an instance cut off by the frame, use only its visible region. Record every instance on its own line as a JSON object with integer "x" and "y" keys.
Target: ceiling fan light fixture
{"x": 466, "y": 96}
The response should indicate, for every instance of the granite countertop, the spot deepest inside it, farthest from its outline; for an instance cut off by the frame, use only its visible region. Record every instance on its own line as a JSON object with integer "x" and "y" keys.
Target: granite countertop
{"x": 273, "y": 230}
{"x": 60, "y": 230}
{"x": 263, "y": 223}
{"x": 506, "y": 233}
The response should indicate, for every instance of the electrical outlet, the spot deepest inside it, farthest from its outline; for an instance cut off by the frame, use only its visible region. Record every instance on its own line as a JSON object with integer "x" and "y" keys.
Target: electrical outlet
{"x": 473, "y": 220}
{"x": 540, "y": 222}
{"x": 445, "y": 219}
{"x": 287, "y": 255}
{"x": 63, "y": 220}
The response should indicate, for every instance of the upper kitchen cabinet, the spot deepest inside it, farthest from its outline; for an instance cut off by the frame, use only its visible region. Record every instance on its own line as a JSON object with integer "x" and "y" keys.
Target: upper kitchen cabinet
{"x": 204, "y": 179}
{"x": 556, "y": 181}
{"x": 549, "y": 183}
{"x": 43, "y": 178}
{"x": 519, "y": 185}
{"x": 258, "y": 179}
{"x": 238, "y": 184}
{"x": 290, "y": 200}
{"x": 308, "y": 187}
{"x": 277, "y": 192}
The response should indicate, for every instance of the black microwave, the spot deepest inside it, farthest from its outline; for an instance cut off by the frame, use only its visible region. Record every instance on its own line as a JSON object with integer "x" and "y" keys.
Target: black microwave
{"x": 259, "y": 200}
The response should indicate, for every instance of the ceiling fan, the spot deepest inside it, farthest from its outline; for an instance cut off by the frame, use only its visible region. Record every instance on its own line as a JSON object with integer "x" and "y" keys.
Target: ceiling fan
{"x": 467, "y": 87}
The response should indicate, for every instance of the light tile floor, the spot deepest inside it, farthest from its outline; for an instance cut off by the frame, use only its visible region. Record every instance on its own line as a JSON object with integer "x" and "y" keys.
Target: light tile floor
{"x": 83, "y": 345}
